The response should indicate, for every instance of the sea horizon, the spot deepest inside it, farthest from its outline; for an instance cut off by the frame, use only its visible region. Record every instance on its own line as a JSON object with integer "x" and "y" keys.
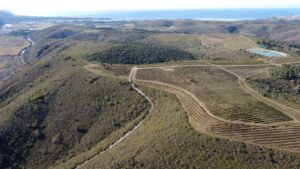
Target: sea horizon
{"x": 196, "y": 14}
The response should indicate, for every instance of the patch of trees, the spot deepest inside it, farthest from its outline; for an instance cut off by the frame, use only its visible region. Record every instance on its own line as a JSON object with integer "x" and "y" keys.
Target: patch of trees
{"x": 167, "y": 23}
{"x": 280, "y": 46}
{"x": 188, "y": 23}
{"x": 288, "y": 72}
{"x": 283, "y": 85}
{"x": 294, "y": 46}
{"x": 20, "y": 32}
{"x": 285, "y": 91}
{"x": 86, "y": 36}
{"x": 140, "y": 54}
{"x": 62, "y": 34}
{"x": 271, "y": 44}
{"x": 25, "y": 129}
{"x": 233, "y": 29}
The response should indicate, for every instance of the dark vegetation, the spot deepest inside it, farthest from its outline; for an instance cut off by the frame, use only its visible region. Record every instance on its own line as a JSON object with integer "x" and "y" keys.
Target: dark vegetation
{"x": 61, "y": 34}
{"x": 54, "y": 109}
{"x": 287, "y": 72}
{"x": 286, "y": 47}
{"x": 140, "y": 54}
{"x": 167, "y": 23}
{"x": 283, "y": 84}
{"x": 233, "y": 29}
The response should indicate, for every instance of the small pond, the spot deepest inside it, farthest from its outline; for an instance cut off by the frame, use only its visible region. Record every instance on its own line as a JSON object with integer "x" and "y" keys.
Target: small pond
{"x": 267, "y": 53}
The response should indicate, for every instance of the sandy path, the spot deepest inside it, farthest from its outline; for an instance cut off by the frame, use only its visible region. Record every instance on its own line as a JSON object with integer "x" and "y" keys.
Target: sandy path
{"x": 200, "y": 116}
{"x": 130, "y": 79}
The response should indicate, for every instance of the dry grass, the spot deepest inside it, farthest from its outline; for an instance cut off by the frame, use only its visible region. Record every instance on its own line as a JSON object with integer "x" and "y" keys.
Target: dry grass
{"x": 284, "y": 137}
{"x": 10, "y": 45}
{"x": 190, "y": 43}
{"x": 220, "y": 92}
{"x": 245, "y": 70}
{"x": 239, "y": 42}
{"x": 86, "y": 48}
{"x": 228, "y": 41}
{"x": 166, "y": 140}
{"x": 2, "y": 65}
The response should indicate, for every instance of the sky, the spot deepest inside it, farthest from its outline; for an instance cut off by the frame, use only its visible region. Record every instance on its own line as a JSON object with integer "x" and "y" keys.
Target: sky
{"x": 57, "y": 7}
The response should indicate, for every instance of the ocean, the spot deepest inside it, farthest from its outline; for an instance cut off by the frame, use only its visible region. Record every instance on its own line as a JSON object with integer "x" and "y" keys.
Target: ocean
{"x": 200, "y": 14}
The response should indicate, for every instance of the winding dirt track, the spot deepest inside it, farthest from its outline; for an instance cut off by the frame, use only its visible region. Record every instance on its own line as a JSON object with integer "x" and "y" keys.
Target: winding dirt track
{"x": 282, "y": 135}
{"x": 285, "y": 136}
{"x": 291, "y": 112}
{"x": 90, "y": 68}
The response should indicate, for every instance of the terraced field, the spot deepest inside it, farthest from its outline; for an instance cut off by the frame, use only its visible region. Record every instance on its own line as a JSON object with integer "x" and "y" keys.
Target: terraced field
{"x": 277, "y": 130}
{"x": 220, "y": 91}
{"x": 287, "y": 138}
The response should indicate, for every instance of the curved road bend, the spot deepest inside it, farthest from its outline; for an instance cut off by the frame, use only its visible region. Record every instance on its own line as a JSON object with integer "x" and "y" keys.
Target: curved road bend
{"x": 130, "y": 79}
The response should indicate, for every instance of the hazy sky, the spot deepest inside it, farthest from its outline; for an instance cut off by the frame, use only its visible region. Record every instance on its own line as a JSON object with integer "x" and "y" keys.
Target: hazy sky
{"x": 53, "y": 7}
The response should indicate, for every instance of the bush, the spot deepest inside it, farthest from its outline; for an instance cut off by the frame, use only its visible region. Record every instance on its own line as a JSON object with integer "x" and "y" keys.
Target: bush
{"x": 57, "y": 139}
{"x": 37, "y": 97}
{"x": 81, "y": 129}
{"x": 36, "y": 134}
{"x": 289, "y": 72}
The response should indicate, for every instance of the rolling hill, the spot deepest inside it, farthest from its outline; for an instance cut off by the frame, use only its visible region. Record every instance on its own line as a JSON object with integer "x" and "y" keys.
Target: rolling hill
{"x": 159, "y": 94}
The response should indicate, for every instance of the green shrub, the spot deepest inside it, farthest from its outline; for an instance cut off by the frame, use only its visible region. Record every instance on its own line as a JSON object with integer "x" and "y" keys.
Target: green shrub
{"x": 37, "y": 97}
{"x": 290, "y": 72}
{"x": 36, "y": 134}
{"x": 57, "y": 139}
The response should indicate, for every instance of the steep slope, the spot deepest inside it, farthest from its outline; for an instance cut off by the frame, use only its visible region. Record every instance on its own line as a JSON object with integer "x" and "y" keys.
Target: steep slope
{"x": 166, "y": 140}
{"x": 54, "y": 109}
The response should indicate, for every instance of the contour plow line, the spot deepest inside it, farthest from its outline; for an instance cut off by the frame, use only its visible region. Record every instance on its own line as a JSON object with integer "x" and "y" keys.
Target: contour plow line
{"x": 202, "y": 120}
{"x": 178, "y": 90}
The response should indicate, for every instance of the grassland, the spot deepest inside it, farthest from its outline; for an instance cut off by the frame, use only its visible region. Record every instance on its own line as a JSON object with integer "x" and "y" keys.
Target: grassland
{"x": 282, "y": 135}
{"x": 245, "y": 70}
{"x": 227, "y": 41}
{"x": 2, "y": 65}
{"x": 284, "y": 60}
{"x": 188, "y": 42}
{"x": 220, "y": 92}
{"x": 213, "y": 47}
{"x": 11, "y": 45}
{"x": 60, "y": 110}
{"x": 166, "y": 140}
{"x": 86, "y": 48}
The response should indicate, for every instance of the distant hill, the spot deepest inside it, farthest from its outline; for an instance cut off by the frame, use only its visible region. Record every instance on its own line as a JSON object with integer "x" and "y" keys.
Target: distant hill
{"x": 292, "y": 18}
{"x": 5, "y": 15}
{"x": 8, "y": 17}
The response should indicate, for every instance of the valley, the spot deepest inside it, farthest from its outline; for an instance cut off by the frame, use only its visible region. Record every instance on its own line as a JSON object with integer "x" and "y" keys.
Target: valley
{"x": 156, "y": 94}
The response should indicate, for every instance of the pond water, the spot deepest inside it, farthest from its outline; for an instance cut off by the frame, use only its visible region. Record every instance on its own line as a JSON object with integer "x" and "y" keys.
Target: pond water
{"x": 267, "y": 53}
